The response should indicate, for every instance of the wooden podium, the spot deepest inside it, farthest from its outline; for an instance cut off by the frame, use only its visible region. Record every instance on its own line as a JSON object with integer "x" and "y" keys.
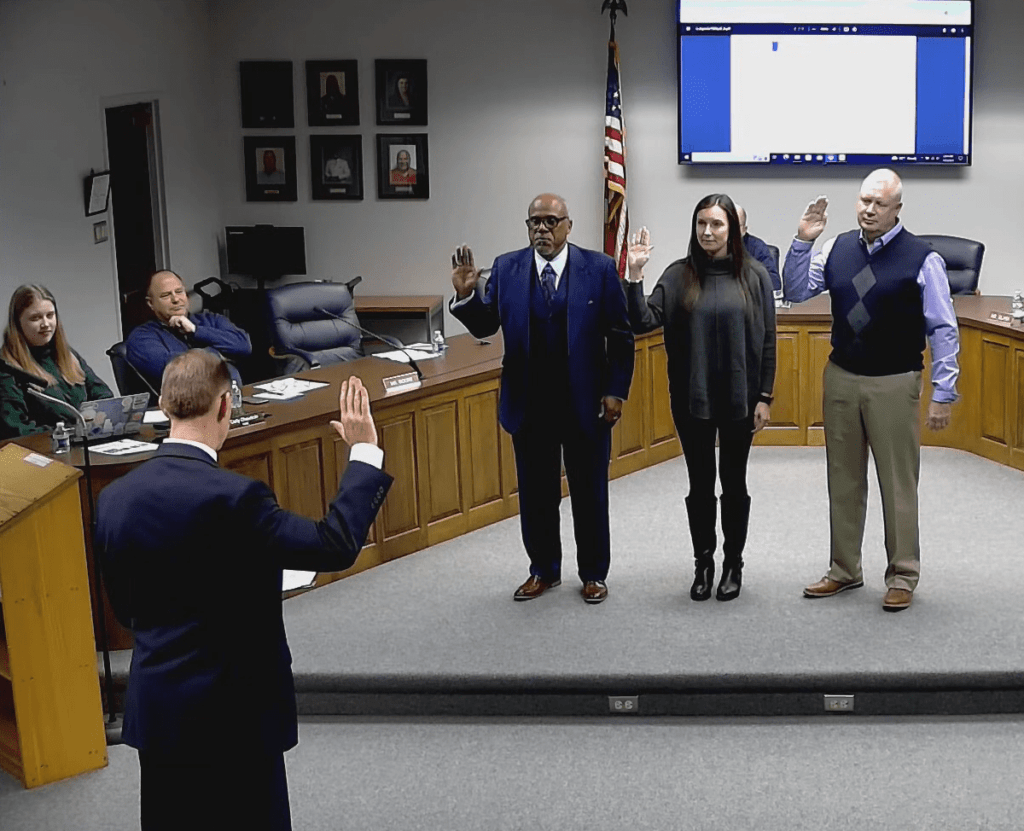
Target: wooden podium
{"x": 51, "y": 719}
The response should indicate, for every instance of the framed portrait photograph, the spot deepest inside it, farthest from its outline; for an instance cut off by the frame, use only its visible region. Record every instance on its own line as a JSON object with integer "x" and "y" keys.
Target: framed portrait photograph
{"x": 332, "y": 93}
{"x": 270, "y": 174}
{"x": 403, "y": 169}
{"x": 402, "y": 92}
{"x": 267, "y": 97}
{"x": 336, "y": 167}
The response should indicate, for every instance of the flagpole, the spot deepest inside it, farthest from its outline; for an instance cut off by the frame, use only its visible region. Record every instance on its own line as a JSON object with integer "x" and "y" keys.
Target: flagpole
{"x": 616, "y": 219}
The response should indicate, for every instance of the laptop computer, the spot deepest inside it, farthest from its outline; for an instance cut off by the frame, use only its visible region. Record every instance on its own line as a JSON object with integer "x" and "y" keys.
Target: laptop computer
{"x": 121, "y": 416}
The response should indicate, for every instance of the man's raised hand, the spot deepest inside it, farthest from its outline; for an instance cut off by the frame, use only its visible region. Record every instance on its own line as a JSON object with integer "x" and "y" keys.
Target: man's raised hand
{"x": 356, "y": 422}
{"x": 814, "y": 220}
{"x": 464, "y": 273}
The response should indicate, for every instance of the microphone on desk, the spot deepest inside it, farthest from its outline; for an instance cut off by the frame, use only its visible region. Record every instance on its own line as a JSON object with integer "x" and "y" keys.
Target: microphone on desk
{"x": 390, "y": 341}
{"x": 26, "y": 379}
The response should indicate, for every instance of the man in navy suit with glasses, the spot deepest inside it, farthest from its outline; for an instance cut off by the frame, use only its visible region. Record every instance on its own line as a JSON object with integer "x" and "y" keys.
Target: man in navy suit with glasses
{"x": 567, "y": 369}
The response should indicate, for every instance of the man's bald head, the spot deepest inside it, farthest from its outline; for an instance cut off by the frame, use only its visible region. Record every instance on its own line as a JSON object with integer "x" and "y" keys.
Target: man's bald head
{"x": 549, "y": 224}
{"x": 193, "y": 382}
{"x": 741, "y": 214}
{"x": 879, "y": 203}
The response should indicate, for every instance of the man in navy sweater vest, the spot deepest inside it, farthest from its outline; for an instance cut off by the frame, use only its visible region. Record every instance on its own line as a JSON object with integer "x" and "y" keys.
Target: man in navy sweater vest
{"x": 889, "y": 290}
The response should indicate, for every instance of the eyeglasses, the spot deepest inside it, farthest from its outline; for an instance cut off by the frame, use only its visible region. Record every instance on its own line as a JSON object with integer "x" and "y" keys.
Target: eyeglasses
{"x": 550, "y": 222}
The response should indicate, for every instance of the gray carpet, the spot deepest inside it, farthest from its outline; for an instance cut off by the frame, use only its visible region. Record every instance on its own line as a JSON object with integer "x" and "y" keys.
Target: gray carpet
{"x": 662, "y": 775}
{"x": 441, "y": 622}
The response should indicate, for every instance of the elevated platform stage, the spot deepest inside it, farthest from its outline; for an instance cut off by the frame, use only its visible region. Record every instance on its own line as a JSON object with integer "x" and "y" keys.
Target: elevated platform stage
{"x": 437, "y": 632}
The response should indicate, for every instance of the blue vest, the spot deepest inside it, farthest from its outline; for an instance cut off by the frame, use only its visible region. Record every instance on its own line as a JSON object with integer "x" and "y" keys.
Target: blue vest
{"x": 877, "y": 309}
{"x": 549, "y": 340}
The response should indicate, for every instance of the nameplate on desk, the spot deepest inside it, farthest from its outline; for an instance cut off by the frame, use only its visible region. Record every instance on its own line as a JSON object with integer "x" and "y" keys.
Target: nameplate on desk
{"x": 400, "y": 383}
{"x": 1001, "y": 317}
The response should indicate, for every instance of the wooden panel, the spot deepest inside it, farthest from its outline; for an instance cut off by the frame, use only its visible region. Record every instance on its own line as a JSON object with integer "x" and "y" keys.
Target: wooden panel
{"x": 302, "y": 491}
{"x": 628, "y": 434}
{"x": 257, "y": 466}
{"x": 485, "y": 462}
{"x": 786, "y": 407}
{"x": 1017, "y": 399}
{"x": 444, "y": 484}
{"x": 400, "y": 513}
{"x": 995, "y": 357}
{"x": 819, "y": 346}
{"x": 662, "y": 429}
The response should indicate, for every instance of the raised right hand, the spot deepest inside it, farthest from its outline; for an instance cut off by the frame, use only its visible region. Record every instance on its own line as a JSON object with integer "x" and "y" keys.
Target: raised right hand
{"x": 464, "y": 273}
{"x": 638, "y": 253}
{"x": 356, "y": 422}
{"x": 814, "y": 220}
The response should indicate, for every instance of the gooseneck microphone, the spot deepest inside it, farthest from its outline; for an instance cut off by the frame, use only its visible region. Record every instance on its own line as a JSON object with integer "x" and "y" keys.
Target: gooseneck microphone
{"x": 26, "y": 379}
{"x": 390, "y": 341}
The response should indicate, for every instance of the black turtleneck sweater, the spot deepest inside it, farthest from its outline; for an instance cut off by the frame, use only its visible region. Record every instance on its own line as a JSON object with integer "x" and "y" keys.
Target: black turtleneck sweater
{"x": 721, "y": 355}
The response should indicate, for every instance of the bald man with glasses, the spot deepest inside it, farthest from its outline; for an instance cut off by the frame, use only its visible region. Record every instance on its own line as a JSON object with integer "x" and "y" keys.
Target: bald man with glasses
{"x": 567, "y": 369}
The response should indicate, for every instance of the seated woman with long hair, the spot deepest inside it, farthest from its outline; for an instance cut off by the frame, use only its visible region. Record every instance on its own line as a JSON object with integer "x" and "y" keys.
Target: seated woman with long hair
{"x": 718, "y": 314}
{"x": 34, "y": 341}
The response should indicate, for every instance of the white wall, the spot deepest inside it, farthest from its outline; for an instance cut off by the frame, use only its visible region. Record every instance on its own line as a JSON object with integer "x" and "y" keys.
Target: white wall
{"x": 61, "y": 62}
{"x": 516, "y": 107}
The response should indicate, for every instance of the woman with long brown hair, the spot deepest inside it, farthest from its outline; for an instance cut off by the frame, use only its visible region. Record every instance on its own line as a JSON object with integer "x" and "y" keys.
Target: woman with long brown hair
{"x": 34, "y": 341}
{"x": 718, "y": 313}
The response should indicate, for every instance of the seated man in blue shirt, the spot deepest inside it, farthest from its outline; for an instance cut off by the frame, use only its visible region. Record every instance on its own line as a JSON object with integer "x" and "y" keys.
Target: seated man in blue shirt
{"x": 759, "y": 250}
{"x": 152, "y": 345}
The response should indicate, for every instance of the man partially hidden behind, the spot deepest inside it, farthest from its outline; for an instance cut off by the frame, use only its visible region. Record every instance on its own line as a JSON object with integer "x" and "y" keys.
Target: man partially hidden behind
{"x": 567, "y": 369}
{"x": 759, "y": 250}
{"x": 151, "y": 345}
{"x": 192, "y": 555}
{"x": 889, "y": 290}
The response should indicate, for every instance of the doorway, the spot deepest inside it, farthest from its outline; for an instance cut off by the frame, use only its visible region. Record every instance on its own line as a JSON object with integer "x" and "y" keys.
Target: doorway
{"x": 137, "y": 205}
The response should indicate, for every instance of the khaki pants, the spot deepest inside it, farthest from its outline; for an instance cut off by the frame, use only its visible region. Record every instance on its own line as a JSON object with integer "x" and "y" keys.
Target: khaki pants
{"x": 881, "y": 413}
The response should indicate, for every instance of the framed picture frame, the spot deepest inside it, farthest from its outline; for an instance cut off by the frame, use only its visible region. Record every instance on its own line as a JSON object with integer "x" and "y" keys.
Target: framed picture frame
{"x": 336, "y": 167}
{"x": 403, "y": 166}
{"x": 267, "y": 94}
{"x": 270, "y": 174}
{"x": 97, "y": 193}
{"x": 401, "y": 91}
{"x": 332, "y": 93}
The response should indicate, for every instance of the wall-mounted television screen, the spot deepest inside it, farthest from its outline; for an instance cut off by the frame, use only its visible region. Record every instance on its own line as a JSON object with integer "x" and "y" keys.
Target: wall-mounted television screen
{"x": 265, "y": 251}
{"x": 819, "y": 82}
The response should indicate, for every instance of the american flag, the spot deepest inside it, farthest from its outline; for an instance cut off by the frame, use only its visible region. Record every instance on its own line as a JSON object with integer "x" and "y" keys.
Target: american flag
{"x": 616, "y": 222}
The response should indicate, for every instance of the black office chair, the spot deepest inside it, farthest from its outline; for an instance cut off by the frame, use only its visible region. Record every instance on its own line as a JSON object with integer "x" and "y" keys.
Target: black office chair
{"x": 128, "y": 379}
{"x": 963, "y": 260}
{"x": 303, "y": 335}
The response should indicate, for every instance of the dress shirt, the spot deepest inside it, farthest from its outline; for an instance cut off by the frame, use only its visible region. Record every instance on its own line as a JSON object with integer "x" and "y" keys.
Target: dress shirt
{"x": 804, "y": 277}
{"x": 365, "y": 452}
{"x": 557, "y": 264}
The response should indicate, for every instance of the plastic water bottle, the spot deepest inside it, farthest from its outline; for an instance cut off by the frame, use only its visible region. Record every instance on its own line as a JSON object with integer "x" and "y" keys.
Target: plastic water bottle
{"x": 61, "y": 438}
{"x": 236, "y": 399}
{"x": 438, "y": 341}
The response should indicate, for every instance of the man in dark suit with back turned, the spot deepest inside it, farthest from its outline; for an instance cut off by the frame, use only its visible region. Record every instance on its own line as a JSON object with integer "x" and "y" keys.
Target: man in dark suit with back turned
{"x": 567, "y": 369}
{"x": 192, "y": 556}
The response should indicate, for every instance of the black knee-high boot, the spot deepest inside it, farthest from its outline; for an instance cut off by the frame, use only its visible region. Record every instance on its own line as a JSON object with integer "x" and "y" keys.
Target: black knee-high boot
{"x": 702, "y": 513}
{"x": 735, "y": 519}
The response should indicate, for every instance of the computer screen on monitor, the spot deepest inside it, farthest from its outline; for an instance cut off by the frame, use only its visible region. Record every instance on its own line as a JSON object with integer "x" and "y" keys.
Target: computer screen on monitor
{"x": 265, "y": 251}
{"x": 823, "y": 82}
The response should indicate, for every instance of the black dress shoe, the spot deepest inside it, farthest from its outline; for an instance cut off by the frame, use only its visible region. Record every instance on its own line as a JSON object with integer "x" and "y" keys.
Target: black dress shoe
{"x": 594, "y": 591}
{"x": 703, "y": 581}
{"x": 729, "y": 588}
{"x": 534, "y": 587}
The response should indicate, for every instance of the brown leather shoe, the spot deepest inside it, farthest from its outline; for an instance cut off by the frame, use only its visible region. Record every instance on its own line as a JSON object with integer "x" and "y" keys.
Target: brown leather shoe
{"x": 826, "y": 587}
{"x": 594, "y": 591}
{"x": 534, "y": 587}
{"x": 896, "y": 600}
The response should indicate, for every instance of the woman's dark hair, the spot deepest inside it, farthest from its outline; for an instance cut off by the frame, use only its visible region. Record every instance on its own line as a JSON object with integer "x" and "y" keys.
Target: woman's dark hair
{"x": 697, "y": 257}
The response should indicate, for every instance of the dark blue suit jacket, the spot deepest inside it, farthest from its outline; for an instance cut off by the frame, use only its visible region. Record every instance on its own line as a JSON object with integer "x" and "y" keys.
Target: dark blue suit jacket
{"x": 600, "y": 340}
{"x": 192, "y": 556}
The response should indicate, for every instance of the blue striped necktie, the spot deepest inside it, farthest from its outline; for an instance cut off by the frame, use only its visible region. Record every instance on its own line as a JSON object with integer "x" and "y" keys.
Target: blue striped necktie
{"x": 547, "y": 282}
